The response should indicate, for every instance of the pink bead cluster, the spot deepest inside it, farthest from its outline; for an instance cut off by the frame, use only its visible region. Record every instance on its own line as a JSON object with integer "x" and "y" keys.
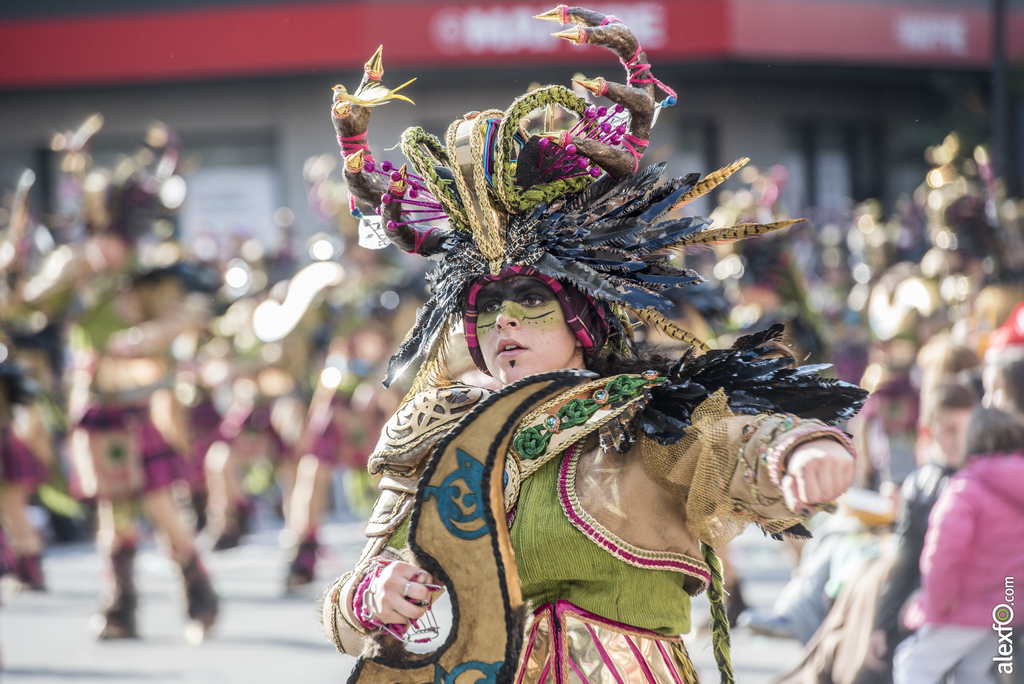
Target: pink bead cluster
{"x": 595, "y": 124}
{"x": 416, "y": 195}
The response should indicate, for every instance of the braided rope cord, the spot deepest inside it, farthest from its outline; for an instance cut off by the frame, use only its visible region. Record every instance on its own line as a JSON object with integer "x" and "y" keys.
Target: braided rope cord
{"x": 424, "y": 150}
{"x": 719, "y": 620}
{"x": 460, "y": 181}
{"x": 513, "y": 198}
{"x": 491, "y": 233}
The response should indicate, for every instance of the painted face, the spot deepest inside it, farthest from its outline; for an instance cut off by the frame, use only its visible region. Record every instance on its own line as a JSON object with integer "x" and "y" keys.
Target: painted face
{"x": 521, "y": 330}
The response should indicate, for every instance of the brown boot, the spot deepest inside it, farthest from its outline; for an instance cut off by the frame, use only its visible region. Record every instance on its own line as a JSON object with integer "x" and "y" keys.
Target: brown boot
{"x": 202, "y": 601}
{"x": 117, "y": 618}
{"x": 236, "y": 525}
{"x": 302, "y": 569}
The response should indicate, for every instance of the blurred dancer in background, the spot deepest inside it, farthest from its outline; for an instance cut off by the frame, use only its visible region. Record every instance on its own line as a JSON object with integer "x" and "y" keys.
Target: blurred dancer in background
{"x": 128, "y": 434}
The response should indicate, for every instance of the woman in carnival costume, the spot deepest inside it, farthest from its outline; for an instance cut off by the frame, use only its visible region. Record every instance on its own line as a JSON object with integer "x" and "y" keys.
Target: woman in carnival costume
{"x": 127, "y": 435}
{"x": 619, "y": 488}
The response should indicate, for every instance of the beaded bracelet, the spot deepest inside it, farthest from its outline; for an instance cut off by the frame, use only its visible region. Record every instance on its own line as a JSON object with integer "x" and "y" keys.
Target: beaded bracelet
{"x": 779, "y": 453}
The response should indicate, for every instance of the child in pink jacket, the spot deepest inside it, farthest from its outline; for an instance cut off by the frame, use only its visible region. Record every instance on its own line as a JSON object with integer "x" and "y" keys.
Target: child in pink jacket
{"x": 973, "y": 556}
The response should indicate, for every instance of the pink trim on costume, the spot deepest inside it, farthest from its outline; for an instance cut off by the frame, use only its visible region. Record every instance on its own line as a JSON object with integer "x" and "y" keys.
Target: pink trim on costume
{"x": 420, "y": 237}
{"x": 561, "y": 648}
{"x": 608, "y": 662}
{"x": 669, "y": 663}
{"x": 545, "y": 671}
{"x": 628, "y": 140}
{"x": 640, "y": 69}
{"x": 357, "y": 602}
{"x": 610, "y": 19}
{"x": 640, "y": 659}
{"x": 529, "y": 650}
{"x": 562, "y": 607}
{"x": 579, "y": 672}
{"x": 613, "y": 546}
{"x": 353, "y": 143}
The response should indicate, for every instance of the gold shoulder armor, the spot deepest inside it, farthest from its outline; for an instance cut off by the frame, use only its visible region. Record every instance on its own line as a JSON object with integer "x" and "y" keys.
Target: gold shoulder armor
{"x": 408, "y": 437}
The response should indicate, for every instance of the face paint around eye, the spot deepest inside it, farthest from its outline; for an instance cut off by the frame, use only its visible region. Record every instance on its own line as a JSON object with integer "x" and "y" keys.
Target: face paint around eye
{"x": 525, "y": 332}
{"x": 544, "y": 314}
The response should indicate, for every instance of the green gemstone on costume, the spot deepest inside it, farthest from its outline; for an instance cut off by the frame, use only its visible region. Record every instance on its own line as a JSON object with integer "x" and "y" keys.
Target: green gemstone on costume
{"x": 601, "y": 396}
{"x": 649, "y": 374}
{"x": 551, "y": 422}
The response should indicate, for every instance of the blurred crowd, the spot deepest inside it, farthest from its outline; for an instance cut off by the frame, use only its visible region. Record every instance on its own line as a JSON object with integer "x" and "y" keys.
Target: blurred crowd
{"x": 191, "y": 381}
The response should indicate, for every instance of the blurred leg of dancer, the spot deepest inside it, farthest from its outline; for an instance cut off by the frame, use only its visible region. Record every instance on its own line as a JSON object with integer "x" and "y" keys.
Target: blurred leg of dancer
{"x": 227, "y": 505}
{"x": 116, "y": 537}
{"x": 201, "y": 600}
{"x": 204, "y": 428}
{"x": 307, "y": 510}
{"x": 24, "y": 539}
{"x": 130, "y": 462}
{"x": 23, "y": 470}
{"x": 320, "y": 445}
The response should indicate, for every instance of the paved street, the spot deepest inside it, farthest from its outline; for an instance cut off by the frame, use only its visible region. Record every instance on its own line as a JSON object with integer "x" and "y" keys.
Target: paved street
{"x": 264, "y": 635}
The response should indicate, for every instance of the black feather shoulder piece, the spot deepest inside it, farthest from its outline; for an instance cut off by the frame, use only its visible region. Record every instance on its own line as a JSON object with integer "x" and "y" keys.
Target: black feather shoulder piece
{"x": 757, "y": 377}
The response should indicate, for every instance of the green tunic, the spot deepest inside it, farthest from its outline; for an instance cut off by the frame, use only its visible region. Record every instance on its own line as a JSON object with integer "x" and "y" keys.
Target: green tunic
{"x": 556, "y": 562}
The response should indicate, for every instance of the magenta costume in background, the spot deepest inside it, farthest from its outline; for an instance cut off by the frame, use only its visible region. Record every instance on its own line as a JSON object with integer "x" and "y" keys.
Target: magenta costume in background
{"x": 18, "y": 463}
{"x": 240, "y": 418}
{"x": 204, "y": 429}
{"x": 161, "y": 464}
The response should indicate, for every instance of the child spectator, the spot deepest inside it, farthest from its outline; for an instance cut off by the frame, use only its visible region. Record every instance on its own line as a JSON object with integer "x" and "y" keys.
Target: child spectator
{"x": 943, "y": 431}
{"x": 971, "y": 548}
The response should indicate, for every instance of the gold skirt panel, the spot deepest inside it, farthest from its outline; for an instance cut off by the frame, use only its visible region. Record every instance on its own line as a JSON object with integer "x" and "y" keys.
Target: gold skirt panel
{"x": 568, "y": 645}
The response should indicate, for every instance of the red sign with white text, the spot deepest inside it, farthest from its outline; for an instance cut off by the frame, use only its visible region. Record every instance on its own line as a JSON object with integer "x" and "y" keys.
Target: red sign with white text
{"x": 298, "y": 38}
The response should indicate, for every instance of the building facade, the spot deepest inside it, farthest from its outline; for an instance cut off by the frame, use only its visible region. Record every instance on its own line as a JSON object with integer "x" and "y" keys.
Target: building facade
{"x": 845, "y": 94}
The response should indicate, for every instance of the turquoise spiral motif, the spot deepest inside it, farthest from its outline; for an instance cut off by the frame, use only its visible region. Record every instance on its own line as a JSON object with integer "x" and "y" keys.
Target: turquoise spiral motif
{"x": 489, "y": 672}
{"x": 460, "y": 499}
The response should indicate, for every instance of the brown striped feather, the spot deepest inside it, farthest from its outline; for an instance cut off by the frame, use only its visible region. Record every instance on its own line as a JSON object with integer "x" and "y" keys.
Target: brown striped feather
{"x": 711, "y": 181}
{"x": 721, "y": 236}
{"x": 659, "y": 321}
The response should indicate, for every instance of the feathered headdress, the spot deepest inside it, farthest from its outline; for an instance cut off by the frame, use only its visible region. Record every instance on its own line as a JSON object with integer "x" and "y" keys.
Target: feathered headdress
{"x": 573, "y": 205}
